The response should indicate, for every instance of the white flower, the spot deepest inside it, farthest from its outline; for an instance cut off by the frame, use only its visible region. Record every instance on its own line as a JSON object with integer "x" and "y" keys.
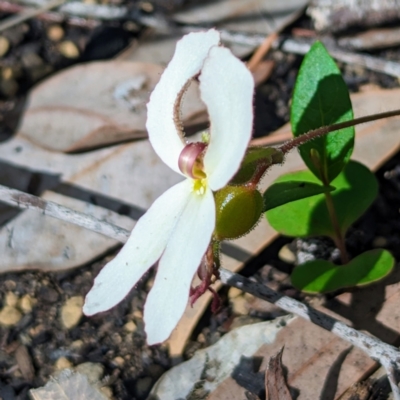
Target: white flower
{"x": 177, "y": 228}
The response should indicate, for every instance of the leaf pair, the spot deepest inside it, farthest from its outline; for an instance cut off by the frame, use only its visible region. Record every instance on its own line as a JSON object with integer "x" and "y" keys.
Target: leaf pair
{"x": 333, "y": 193}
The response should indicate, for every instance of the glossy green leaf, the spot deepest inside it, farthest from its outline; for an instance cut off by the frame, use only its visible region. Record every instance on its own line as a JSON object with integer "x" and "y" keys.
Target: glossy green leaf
{"x": 321, "y": 98}
{"x": 356, "y": 189}
{"x": 320, "y": 276}
{"x": 284, "y": 192}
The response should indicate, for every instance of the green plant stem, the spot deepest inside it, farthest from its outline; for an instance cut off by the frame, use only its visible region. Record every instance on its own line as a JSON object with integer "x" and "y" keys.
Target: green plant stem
{"x": 306, "y": 137}
{"x": 339, "y": 239}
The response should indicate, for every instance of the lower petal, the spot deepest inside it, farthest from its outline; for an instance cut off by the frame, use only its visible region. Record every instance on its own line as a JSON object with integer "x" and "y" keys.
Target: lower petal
{"x": 143, "y": 248}
{"x": 168, "y": 298}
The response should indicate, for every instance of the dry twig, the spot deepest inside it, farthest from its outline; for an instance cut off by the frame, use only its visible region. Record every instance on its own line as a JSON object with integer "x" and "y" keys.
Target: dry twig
{"x": 297, "y": 46}
{"x": 28, "y": 14}
{"x": 51, "y": 17}
{"x": 388, "y": 356}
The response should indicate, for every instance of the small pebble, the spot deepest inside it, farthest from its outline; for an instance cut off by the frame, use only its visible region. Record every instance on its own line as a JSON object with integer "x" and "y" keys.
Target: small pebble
{"x": 11, "y": 299}
{"x": 287, "y": 255}
{"x": 234, "y": 292}
{"x": 116, "y": 338}
{"x": 77, "y": 344}
{"x": 93, "y": 371}
{"x": 9, "y": 316}
{"x": 201, "y": 338}
{"x": 107, "y": 392}
{"x": 31, "y": 60}
{"x": 146, "y": 6}
{"x": 7, "y": 73}
{"x": 71, "y": 312}
{"x": 36, "y": 330}
{"x": 26, "y": 303}
{"x": 62, "y": 363}
{"x": 239, "y": 305}
{"x": 10, "y": 285}
{"x": 118, "y": 361}
{"x": 68, "y": 49}
{"x": 131, "y": 26}
{"x": 379, "y": 241}
{"x": 55, "y": 33}
{"x": 130, "y": 327}
{"x": 4, "y": 46}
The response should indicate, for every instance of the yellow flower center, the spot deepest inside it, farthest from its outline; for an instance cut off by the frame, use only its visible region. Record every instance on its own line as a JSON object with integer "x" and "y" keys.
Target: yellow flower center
{"x": 199, "y": 186}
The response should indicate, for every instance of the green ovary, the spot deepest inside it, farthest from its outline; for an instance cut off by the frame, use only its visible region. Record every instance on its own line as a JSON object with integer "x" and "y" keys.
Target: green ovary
{"x": 238, "y": 210}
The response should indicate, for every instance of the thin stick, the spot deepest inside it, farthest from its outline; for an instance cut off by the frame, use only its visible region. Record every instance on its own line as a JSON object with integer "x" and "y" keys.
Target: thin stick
{"x": 28, "y": 14}
{"x": 79, "y": 9}
{"x": 301, "y": 46}
{"x": 384, "y": 353}
{"x": 16, "y": 198}
{"x": 51, "y": 17}
{"x": 387, "y": 355}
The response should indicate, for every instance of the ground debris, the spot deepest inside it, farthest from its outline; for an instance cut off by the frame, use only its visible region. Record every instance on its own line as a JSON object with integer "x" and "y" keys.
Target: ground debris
{"x": 338, "y": 15}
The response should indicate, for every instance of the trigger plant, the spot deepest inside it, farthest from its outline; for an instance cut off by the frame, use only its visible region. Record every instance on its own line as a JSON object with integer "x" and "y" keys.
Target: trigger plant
{"x": 177, "y": 229}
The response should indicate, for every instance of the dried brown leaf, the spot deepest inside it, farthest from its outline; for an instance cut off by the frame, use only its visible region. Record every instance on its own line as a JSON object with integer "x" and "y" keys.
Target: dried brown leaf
{"x": 275, "y": 382}
{"x": 95, "y": 104}
{"x": 359, "y": 391}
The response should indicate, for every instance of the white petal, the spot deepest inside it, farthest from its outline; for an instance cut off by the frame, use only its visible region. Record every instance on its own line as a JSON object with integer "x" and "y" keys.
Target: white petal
{"x": 188, "y": 59}
{"x": 168, "y": 298}
{"x": 143, "y": 248}
{"x": 227, "y": 88}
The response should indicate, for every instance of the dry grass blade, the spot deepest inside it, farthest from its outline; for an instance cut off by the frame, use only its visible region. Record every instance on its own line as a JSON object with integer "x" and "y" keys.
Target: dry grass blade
{"x": 261, "y": 51}
{"x": 275, "y": 382}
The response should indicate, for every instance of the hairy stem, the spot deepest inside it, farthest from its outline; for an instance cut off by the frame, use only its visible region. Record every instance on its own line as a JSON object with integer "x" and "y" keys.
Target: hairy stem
{"x": 306, "y": 137}
{"x": 339, "y": 238}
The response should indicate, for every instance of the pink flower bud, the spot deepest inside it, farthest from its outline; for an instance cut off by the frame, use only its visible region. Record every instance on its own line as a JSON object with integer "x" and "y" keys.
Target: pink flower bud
{"x": 191, "y": 160}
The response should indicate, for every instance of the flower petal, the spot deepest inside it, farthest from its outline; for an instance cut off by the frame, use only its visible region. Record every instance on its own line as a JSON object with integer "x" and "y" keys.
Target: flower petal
{"x": 168, "y": 298}
{"x": 226, "y": 87}
{"x": 143, "y": 248}
{"x": 187, "y": 62}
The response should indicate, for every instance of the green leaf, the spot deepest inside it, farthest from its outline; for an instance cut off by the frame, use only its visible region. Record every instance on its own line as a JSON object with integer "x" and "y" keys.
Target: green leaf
{"x": 322, "y": 276}
{"x": 356, "y": 189}
{"x": 321, "y": 98}
{"x": 254, "y": 155}
{"x": 284, "y": 192}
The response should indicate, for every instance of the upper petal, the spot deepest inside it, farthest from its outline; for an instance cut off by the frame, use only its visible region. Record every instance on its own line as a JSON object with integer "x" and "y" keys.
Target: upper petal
{"x": 143, "y": 248}
{"x": 226, "y": 87}
{"x": 187, "y": 62}
{"x": 168, "y": 298}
